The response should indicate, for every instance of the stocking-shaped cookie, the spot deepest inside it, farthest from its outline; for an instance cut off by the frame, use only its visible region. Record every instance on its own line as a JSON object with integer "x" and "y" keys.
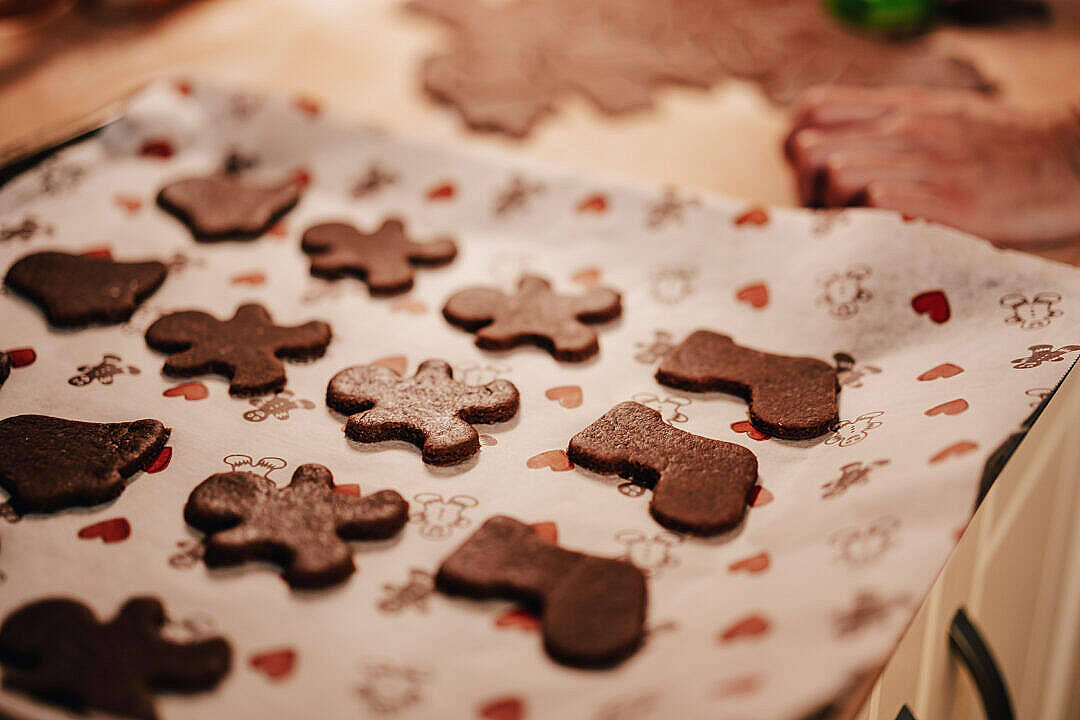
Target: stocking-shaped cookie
{"x": 431, "y": 409}
{"x": 535, "y": 315}
{"x": 593, "y": 608}
{"x": 76, "y": 290}
{"x": 57, "y": 651}
{"x": 700, "y": 485}
{"x": 302, "y": 527}
{"x": 49, "y": 464}
{"x": 227, "y": 207}
{"x": 790, "y": 397}
{"x": 384, "y": 259}
{"x": 246, "y": 349}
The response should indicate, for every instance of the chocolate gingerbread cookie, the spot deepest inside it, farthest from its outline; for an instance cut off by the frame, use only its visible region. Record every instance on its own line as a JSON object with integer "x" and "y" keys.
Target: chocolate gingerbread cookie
{"x": 5, "y": 367}
{"x": 535, "y": 315}
{"x": 302, "y": 527}
{"x": 77, "y": 290}
{"x": 57, "y": 651}
{"x": 699, "y": 485}
{"x": 790, "y": 397}
{"x": 384, "y": 259}
{"x": 227, "y": 206}
{"x": 246, "y": 349}
{"x": 593, "y": 608}
{"x": 48, "y": 463}
{"x": 430, "y": 410}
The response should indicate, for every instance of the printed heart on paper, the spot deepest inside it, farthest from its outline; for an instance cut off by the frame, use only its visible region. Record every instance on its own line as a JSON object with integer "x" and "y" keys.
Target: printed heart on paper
{"x": 252, "y": 278}
{"x": 21, "y": 357}
{"x": 756, "y": 295}
{"x": 945, "y": 370}
{"x": 955, "y": 450}
{"x": 754, "y": 216}
{"x": 754, "y": 564}
{"x": 279, "y": 229}
{"x": 557, "y": 460}
{"x": 301, "y": 177}
{"x": 158, "y": 148}
{"x": 101, "y": 251}
{"x": 275, "y": 664}
{"x": 184, "y": 87}
{"x": 519, "y": 618}
{"x": 413, "y": 307}
{"x": 760, "y": 497}
{"x": 738, "y": 686}
{"x": 109, "y": 531}
{"x": 394, "y": 363}
{"x": 953, "y": 407}
{"x": 934, "y": 304}
{"x": 508, "y": 708}
{"x": 445, "y": 191}
{"x": 188, "y": 391}
{"x": 130, "y": 203}
{"x": 744, "y": 426}
{"x": 351, "y": 489}
{"x": 596, "y": 203}
{"x": 750, "y": 626}
{"x": 308, "y": 105}
{"x": 587, "y": 276}
{"x": 546, "y": 531}
{"x": 569, "y": 396}
{"x": 160, "y": 462}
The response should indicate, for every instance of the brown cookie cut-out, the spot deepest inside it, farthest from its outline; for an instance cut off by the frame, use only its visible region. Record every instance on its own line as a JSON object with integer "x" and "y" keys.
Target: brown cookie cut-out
{"x": 430, "y": 410}
{"x": 5, "y": 367}
{"x": 246, "y": 348}
{"x": 790, "y": 397}
{"x": 226, "y": 206}
{"x": 302, "y": 527}
{"x": 56, "y": 650}
{"x": 593, "y": 608}
{"x": 384, "y": 259}
{"x": 77, "y": 290}
{"x": 48, "y": 463}
{"x": 699, "y": 485}
{"x": 534, "y": 315}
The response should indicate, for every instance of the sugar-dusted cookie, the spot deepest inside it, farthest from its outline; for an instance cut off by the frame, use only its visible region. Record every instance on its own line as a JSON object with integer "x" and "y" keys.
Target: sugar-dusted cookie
{"x": 57, "y": 651}
{"x": 302, "y": 527}
{"x": 77, "y": 290}
{"x": 384, "y": 259}
{"x": 48, "y": 463}
{"x": 246, "y": 348}
{"x": 534, "y": 315}
{"x": 699, "y": 485}
{"x": 790, "y": 397}
{"x": 228, "y": 206}
{"x": 430, "y": 410}
{"x": 593, "y": 607}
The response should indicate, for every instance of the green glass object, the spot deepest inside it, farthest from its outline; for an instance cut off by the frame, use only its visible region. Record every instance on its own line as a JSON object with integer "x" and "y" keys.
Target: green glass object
{"x": 888, "y": 16}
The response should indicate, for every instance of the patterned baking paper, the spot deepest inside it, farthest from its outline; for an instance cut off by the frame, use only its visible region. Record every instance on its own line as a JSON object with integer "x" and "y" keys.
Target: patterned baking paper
{"x": 944, "y": 345}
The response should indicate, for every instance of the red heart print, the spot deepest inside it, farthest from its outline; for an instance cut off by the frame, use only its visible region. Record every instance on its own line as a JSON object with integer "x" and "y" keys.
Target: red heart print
{"x": 252, "y": 278}
{"x": 744, "y": 426}
{"x": 308, "y": 105}
{"x": 587, "y": 276}
{"x": 161, "y": 461}
{"x": 738, "y": 686}
{"x": 569, "y": 396}
{"x": 413, "y": 307}
{"x": 188, "y": 391}
{"x": 184, "y": 87}
{"x": 554, "y": 459}
{"x": 956, "y": 449}
{"x": 760, "y": 497}
{"x": 934, "y": 304}
{"x": 395, "y": 363}
{"x": 21, "y": 357}
{"x": 351, "y": 489}
{"x": 508, "y": 708}
{"x": 101, "y": 251}
{"x": 275, "y": 664}
{"x": 753, "y": 565}
{"x": 301, "y": 177}
{"x": 159, "y": 148}
{"x": 754, "y": 216}
{"x": 278, "y": 229}
{"x": 945, "y": 370}
{"x": 519, "y": 618}
{"x": 546, "y": 531}
{"x": 596, "y": 203}
{"x": 444, "y": 191}
{"x": 749, "y": 627}
{"x": 757, "y": 295}
{"x": 953, "y": 407}
{"x": 130, "y": 203}
{"x": 110, "y": 531}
